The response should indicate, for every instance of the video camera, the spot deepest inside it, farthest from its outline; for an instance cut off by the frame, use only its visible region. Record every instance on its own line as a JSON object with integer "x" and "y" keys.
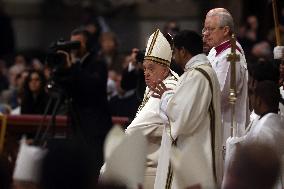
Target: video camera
{"x": 54, "y": 59}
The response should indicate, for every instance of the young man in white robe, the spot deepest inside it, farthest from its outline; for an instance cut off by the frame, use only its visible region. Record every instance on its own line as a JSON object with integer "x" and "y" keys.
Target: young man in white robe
{"x": 269, "y": 128}
{"x": 217, "y": 31}
{"x": 192, "y": 113}
{"x": 156, "y": 66}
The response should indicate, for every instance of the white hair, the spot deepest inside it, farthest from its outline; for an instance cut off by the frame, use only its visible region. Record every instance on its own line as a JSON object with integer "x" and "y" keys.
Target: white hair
{"x": 225, "y": 18}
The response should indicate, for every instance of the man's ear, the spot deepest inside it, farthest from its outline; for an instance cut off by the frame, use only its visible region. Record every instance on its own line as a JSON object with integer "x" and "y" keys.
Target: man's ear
{"x": 183, "y": 52}
{"x": 257, "y": 101}
{"x": 165, "y": 71}
{"x": 227, "y": 30}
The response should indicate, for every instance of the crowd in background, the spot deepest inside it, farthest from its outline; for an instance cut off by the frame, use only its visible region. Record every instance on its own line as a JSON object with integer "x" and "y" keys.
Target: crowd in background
{"x": 23, "y": 83}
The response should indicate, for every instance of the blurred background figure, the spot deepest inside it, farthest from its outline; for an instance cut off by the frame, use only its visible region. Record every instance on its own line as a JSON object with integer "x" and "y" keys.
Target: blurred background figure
{"x": 6, "y": 172}
{"x": 34, "y": 97}
{"x": 20, "y": 61}
{"x": 133, "y": 73}
{"x": 261, "y": 50}
{"x": 109, "y": 51}
{"x": 94, "y": 28}
{"x": 4, "y": 83}
{"x": 123, "y": 103}
{"x": 7, "y": 46}
{"x": 252, "y": 28}
{"x": 171, "y": 27}
{"x": 69, "y": 165}
{"x": 254, "y": 166}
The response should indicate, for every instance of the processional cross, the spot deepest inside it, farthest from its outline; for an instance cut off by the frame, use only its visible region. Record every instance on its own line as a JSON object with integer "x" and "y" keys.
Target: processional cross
{"x": 233, "y": 57}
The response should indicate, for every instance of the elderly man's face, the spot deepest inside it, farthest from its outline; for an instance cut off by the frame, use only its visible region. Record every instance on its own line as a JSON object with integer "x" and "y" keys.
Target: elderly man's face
{"x": 154, "y": 72}
{"x": 212, "y": 32}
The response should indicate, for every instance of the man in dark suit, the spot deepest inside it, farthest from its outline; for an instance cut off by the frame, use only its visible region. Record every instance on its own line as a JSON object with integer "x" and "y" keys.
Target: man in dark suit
{"x": 84, "y": 78}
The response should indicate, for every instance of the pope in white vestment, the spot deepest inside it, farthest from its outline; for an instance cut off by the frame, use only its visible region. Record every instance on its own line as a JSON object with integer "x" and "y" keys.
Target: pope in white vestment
{"x": 149, "y": 122}
{"x": 188, "y": 111}
{"x": 147, "y": 118}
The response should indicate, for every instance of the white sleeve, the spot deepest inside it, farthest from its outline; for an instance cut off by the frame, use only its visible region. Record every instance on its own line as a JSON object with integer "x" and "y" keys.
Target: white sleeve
{"x": 164, "y": 104}
{"x": 130, "y": 67}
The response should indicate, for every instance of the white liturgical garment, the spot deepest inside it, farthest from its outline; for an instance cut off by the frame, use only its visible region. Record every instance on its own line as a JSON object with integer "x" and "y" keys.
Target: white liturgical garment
{"x": 188, "y": 111}
{"x": 218, "y": 59}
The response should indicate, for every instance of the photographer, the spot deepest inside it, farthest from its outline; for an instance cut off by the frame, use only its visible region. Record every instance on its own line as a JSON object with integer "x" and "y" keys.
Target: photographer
{"x": 84, "y": 78}
{"x": 133, "y": 75}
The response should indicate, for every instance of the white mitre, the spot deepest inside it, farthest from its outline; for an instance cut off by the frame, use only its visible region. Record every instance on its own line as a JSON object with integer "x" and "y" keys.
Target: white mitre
{"x": 28, "y": 163}
{"x": 158, "y": 49}
{"x": 188, "y": 171}
{"x": 125, "y": 158}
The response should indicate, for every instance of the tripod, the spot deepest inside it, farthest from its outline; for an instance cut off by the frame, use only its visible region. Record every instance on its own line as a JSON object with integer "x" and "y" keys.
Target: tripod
{"x": 57, "y": 97}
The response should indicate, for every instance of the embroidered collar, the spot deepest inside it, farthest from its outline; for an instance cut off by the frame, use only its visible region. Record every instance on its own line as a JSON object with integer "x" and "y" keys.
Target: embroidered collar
{"x": 224, "y": 46}
{"x": 196, "y": 61}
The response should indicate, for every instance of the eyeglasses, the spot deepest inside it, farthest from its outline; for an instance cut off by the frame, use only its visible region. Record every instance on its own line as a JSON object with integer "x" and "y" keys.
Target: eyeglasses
{"x": 209, "y": 30}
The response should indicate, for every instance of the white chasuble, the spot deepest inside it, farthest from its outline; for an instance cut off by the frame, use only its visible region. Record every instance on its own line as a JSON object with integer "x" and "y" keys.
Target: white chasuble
{"x": 189, "y": 114}
{"x": 149, "y": 122}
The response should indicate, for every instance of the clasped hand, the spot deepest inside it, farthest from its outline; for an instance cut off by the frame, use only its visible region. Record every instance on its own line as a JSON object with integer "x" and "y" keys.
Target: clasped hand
{"x": 69, "y": 58}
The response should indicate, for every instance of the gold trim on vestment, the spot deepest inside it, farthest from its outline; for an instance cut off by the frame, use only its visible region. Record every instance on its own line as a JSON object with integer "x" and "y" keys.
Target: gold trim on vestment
{"x": 169, "y": 177}
{"x": 212, "y": 121}
{"x": 157, "y": 60}
{"x": 143, "y": 103}
{"x": 153, "y": 42}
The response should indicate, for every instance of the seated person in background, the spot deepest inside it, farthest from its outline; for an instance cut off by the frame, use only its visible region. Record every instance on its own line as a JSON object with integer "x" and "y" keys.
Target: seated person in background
{"x": 133, "y": 74}
{"x": 110, "y": 51}
{"x": 34, "y": 96}
{"x": 156, "y": 68}
{"x": 125, "y": 102}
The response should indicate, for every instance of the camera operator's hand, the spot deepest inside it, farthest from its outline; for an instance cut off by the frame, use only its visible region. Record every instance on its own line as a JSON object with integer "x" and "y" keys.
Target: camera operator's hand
{"x": 69, "y": 59}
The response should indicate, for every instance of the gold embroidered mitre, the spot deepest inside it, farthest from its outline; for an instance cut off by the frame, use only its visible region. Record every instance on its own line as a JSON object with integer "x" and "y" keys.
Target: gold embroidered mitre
{"x": 158, "y": 49}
